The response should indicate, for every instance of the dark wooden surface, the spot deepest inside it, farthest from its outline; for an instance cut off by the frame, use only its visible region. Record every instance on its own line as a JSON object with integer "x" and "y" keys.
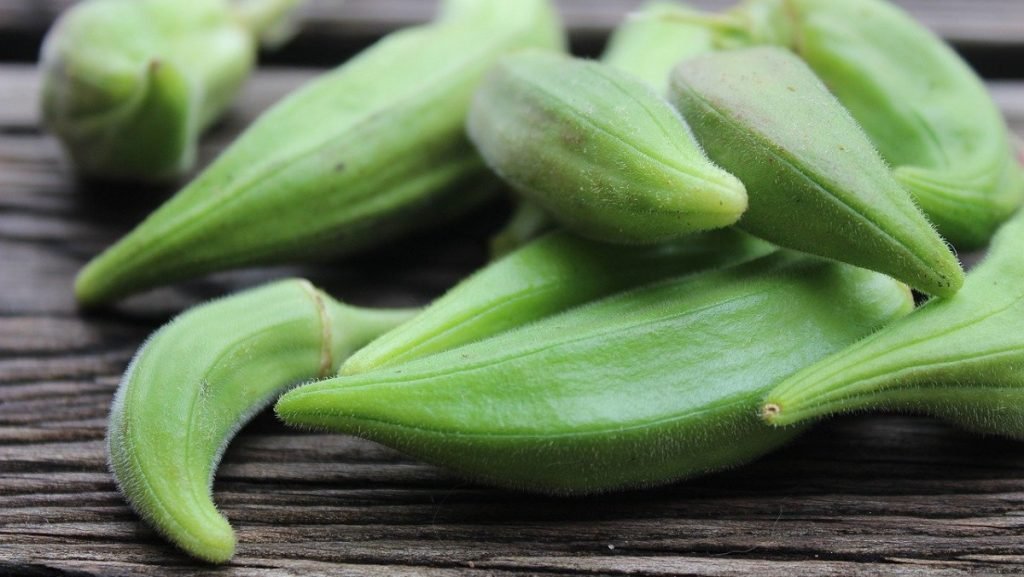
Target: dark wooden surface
{"x": 881, "y": 495}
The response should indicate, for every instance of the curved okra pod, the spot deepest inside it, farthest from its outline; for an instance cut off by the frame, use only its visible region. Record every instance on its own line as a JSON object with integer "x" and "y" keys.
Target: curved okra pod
{"x": 547, "y": 276}
{"x": 961, "y": 358}
{"x": 926, "y": 111}
{"x": 631, "y": 390}
{"x": 364, "y": 153}
{"x": 129, "y": 85}
{"x": 197, "y": 380}
{"x": 599, "y": 150}
{"x": 815, "y": 182}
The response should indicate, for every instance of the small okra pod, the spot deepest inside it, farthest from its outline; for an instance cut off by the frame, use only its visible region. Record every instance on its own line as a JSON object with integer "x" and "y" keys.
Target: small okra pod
{"x": 651, "y": 41}
{"x": 638, "y": 389}
{"x": 924, "y": 108}
{"x": 599, "y": 150}
{"x": 646, "y": 45}
{"x": 815, "y": 182}
{"x": 362, "y": 154}
{"x": 545, "y": 277}
{"x": 960, "y": 359}
{"x": 198, "y": 379}
{"x": 129, "y": 85}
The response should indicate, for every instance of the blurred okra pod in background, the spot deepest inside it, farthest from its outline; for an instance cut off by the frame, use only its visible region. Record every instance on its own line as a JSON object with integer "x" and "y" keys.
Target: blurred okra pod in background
{"x": 129, "y": 85}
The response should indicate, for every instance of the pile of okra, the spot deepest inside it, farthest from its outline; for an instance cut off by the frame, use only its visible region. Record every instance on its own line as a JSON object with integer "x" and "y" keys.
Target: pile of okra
{"x": 719, "y": 227}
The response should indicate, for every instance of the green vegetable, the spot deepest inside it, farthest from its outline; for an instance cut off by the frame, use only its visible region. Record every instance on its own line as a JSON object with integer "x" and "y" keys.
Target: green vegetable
{"x": 547, "y": 276}
{"x": 815, "y": 182}
{"x": 198, "y": 379}
{"x": 365, "y": 153}
{"x": 647, "y": 45}
{"x": 129, "y": 85}
{"x": 599, "y": 150}
{"x": 641, "y": 388}
{"x": 650, "y": 42}
{"x": 928, "y": 113}
{"x": 961, "y": 358}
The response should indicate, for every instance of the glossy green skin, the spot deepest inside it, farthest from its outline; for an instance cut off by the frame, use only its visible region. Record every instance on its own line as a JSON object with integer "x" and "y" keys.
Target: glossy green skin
{"x": 599, "y": 150}
{"x": 197, "y": 380}
{"x": 924, "y": 108}
{"x": 650, "y": 42}
{"x": 547, "y": 276}
{"x": 961, "y": 359}
{"x": 364, "y": 153}
{"x": 129, "y": 85}
{"x": 815, "y": 182}
{"x": 638, "y": 389}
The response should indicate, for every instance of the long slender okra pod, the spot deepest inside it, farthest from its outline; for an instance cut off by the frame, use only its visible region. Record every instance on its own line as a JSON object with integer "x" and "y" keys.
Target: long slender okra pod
{"x": 129, "y": 85}
{"x": 960, "y": 358}
{"x": 547, "y": 276}
{"x": 599, "y": 150}
{"x": 815, "y": 182}
{"x": 366, "y": 152}
{"x": 197, "y": 380}
{"x": 923, "y": 107}
{"x": 637, "y": 389}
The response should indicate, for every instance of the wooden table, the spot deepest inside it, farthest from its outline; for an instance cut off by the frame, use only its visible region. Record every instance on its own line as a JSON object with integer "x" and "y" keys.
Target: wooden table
{"x": 879, "y": 495}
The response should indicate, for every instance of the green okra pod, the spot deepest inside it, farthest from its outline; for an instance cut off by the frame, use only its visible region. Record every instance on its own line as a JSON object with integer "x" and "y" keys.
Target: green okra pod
{"x": 815, "y": 182}
{"x": 364, "y": 153}
{"x": 647, "y": 45}
{"x": 960, "y": 359}
{"x": 641, "y": 388}
{"x": 651, "y": 41}
{"x": 129, "y": 85}
{"x": 197, "y": 380}
{"x": 924, "y": 108}
{"x": 599, "y": 150}
{"x": 545, "y": 277}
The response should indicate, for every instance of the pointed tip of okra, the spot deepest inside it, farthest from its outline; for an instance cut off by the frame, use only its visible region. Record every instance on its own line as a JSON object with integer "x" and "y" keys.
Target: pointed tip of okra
{"x": 96, "y": 284}
{"x": 214, "y": 542}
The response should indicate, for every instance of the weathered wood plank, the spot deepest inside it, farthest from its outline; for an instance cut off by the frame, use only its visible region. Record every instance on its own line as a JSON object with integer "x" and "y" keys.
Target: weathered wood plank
{"x": 993, "y": 23}
{"x": 861, "y": 496}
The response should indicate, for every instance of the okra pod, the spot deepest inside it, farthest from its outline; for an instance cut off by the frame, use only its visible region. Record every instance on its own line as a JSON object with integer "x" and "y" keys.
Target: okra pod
{"x": 200, "y": 378}
{"x": 638, "y": 389}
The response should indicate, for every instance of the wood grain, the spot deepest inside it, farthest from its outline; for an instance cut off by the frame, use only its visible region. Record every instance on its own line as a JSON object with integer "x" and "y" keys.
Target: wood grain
{"x": 990, "y": 33}
{"x": 882, "y": 495}
{"x": 987, "y": 22}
